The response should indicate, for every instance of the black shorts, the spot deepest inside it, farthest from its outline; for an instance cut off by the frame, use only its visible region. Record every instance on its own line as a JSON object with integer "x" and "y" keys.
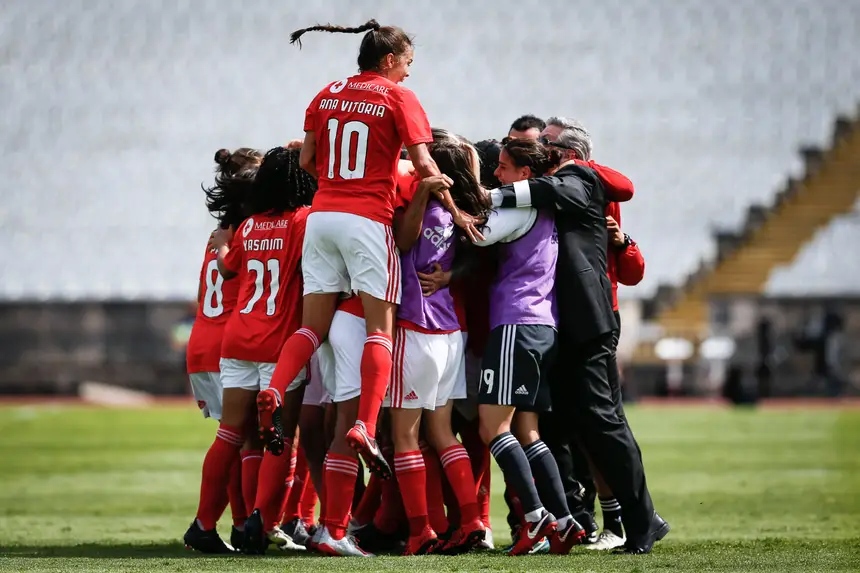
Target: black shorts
{"x": 516, "y": 366}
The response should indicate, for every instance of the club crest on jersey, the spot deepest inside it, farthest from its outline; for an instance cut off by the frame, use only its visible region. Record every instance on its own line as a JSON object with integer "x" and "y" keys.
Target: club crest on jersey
{"x": 438, "y": 235}
{"x": 249, "y": 226}
{"x": 201, "y": 404}
{"x": 337, "y": 87}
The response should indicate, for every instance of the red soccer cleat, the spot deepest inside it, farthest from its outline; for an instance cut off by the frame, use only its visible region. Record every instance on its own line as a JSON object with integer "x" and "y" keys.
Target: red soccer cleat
{"x": 464, "y": 539}
{"x": 361, "y": 442}
{"x": 422, "y": 544}
{"x": 561, "y": 542}
{"x": 269, "y": 415}
{"x": 532, "y": 533}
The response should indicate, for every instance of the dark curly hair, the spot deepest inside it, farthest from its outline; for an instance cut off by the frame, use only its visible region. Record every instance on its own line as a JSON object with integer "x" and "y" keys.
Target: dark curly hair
{"x": 235, "y": 172}
{"x": 280, "y": 184}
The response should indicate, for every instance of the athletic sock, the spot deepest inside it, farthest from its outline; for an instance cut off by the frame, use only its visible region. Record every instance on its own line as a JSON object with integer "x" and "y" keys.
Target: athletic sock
{"x": 308, "y": 504}
{"x": 300, "y": 480}
{"x": 370, "y": 501}
{"x": 340, "y": 472}
{"x": 272, "y": 487}
{"x": 434, "y": 493}
{"x": 515, "y": 466}
{"x": 375, "y": 374}
{"x": 217, "y": 464}
{"x": 295, "y": 355}
{"x": 234, "y": 494}
{"x": 458, "y": 469}
{"x": 412, "y": 477}
{"x": 391, "y": 511}
{"x": 251, "y": 460}
{"x": 548, "y": 480}
{"x": 612, "y": 516}
{"x": 484, "y": 495}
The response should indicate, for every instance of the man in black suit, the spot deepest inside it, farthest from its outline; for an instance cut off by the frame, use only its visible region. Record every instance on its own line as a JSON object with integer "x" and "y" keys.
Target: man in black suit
{"x": 581, "y": 384}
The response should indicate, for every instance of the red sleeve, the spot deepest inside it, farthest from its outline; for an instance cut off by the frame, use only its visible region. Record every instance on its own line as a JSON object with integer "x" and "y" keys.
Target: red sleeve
{"x": 411, "y": 120}
{"x": 618, "y": 186}
{"x": 233, "y": 260}
{"x": 629, "y": 265}
{"x": 299, "y": 224}
{"x": 310, "y": 113}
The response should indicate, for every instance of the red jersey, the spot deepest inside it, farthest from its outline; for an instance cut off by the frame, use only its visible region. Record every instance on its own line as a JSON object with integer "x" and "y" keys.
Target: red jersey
{"x": 625, "y": 266}
{"x": 360, "y": 124}
{"x": 265, "y": 252}
{"x": 213, "y": 310}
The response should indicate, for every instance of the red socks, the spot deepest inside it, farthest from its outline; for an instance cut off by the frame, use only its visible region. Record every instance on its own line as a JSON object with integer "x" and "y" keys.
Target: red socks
{"x": 412, "y": 477}
{"x": 308, "y": 504}
{"x": 391, "y": 513}
{"x": 340, "y": 473}
{"x": 251, "y": 460}
{"x": 272, "y": 487}
{"x": 484, "y": 497}
{"x": 458, "y": 469}
{"x": 295, "y": 355}
{"x": 370, "y": 501}
{"x": 217, "y": 464}
{"x": 234, "y": 493}
{"x": 375, "y": 374}
{"x": 300, "y": 480}
{"x": 435, "y": 496}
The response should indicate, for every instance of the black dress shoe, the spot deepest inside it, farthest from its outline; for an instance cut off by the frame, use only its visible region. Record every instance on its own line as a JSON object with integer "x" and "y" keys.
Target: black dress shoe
{"x": 642, "y": 544}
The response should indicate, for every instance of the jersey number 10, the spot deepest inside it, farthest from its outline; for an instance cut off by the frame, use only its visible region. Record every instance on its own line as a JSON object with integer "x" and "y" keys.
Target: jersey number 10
{"x": 345, "y": 157}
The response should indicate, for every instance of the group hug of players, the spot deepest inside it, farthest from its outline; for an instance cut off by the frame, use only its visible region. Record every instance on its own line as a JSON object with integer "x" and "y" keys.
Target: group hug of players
{"x": 358, "y": 308}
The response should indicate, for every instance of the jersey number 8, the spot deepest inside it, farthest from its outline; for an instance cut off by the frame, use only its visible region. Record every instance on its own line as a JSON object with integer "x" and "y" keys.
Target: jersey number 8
{"x": 351, "y": 128}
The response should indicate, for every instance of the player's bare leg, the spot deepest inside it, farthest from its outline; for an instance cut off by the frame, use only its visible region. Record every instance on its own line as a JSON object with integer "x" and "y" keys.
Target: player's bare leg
{"x": 317, "y": 313}
{"x": 375, "y": 375}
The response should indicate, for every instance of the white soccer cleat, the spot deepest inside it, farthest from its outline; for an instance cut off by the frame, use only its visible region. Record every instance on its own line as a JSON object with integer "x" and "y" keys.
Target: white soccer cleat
{"x": 283, "y": 541}
{"x": 487, "y": 542}
{"x": 344, "y": 547}
{"x": 606, "y": 541}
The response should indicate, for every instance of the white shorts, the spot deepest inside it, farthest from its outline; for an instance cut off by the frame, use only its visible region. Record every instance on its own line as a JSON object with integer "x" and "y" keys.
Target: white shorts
{"x": 349, "y": 253}
{"x": 346, "y": 339}
{"x": 315, "y": 394}
{"x": 206, "y": 387}
{"x": 428, "y": 370}
{"x": 253, "y": 375}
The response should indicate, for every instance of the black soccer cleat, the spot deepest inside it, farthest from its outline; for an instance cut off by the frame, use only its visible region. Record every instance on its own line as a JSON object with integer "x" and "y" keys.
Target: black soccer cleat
{"x": 270, "y": 426}
{"x": 237, "y": 537}
{"x": 297, "y": 531}
{"x": 255, "y": 540}
{"x": 205, "y": 541}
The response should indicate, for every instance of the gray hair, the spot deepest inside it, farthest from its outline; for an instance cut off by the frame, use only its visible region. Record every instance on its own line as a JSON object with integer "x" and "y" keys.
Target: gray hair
{"x": 573, "y": 136}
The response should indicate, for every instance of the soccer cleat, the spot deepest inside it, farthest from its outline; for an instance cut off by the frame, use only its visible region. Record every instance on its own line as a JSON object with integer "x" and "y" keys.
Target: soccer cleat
{"x": 269, "y": 414}
{"x": 561, "y": 542}
{"x": 297, "y": 531}
{"x": 344, "y": 547}
{"x": 463, "y": 539}
{"x": 422, "y": 544}
{"x": 532, "y": 534}
{"x": 205, "y": 541}
{"x": 313, "y": 543}
{"x": 487, "y": 541}
{"x": 541, "y": 546}
{"x": 607, "y": 541}
{"x": 283, "y": 541}
{"x": 376, "y": 541}
{"x": 361, "y": 442}
{"x": 237, "y": 537}
{"x": 658, "y": 530}
{"x": 255, "y": 540}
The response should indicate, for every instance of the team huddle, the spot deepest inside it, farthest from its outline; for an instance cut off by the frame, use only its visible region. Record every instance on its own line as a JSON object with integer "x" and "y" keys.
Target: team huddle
{"x": 388, "y": 296}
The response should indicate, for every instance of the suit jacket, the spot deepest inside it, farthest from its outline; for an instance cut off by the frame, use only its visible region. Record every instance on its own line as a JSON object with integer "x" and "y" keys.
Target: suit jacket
{"x": 583, "y": 290}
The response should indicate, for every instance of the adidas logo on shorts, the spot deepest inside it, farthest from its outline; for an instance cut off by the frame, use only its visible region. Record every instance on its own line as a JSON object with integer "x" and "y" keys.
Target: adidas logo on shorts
{"x": 411, "y": 396}
{"x": 522, "y": 391}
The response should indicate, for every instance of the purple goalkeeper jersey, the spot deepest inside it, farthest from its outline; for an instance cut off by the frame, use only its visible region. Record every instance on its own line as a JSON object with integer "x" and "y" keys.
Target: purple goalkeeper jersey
{"x": 524, "y": 289}
{"x": 435, "y": 245}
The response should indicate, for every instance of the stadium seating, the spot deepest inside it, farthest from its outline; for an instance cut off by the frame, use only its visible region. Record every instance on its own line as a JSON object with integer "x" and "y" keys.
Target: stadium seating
{"x": 112, "y": 113}
{"x": 826, "y": 266}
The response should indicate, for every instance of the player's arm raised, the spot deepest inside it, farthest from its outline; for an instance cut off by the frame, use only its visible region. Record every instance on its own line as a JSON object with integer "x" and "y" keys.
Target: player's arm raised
{"x": 408, "y": 221}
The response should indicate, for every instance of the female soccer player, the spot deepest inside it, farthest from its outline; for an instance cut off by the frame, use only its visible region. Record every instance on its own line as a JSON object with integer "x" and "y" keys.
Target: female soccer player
{"x": 520, "y": 351}
{"x": 354, "y": 130}
{"x": 428, "y": 346}
{"x": 264, "y": 255}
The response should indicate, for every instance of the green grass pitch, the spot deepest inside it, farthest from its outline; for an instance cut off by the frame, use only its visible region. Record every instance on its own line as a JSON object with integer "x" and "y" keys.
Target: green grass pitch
{"x": 89, "y": 489}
